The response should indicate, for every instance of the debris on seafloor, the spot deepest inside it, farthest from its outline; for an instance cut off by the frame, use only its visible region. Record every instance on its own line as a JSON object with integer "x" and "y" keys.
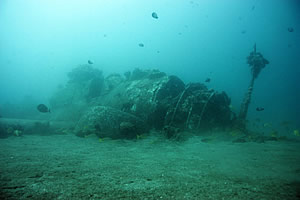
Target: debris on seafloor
{"x": 138, "y": 101}
{"x": 256, "y": 62}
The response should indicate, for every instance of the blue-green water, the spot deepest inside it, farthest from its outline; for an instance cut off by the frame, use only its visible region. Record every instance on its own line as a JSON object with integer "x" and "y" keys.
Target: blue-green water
{"x": 148, "y": 136}
{"x": 40, "y": 41}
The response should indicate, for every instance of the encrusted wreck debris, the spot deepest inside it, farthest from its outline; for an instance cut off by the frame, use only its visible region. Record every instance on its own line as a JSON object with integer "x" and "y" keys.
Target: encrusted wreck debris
{"x": 105, "y": 122}
{"x": 256, "y": 62}
{"x": 125, "y": 106}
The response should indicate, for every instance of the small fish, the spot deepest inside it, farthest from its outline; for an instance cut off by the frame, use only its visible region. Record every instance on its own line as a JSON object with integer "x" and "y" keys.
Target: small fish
{"x": 290, "y": 29}
{"x": 207, "y": 80}
{"x": 42, "y": 108}
{"x": 296, "y": 132}
{"x": 259, "y": 109}
{"x": 90, "y": 62}
{"x": 243, "y": 31}
{"x": 141, "y": 45}
{"x": 154, "y": 15}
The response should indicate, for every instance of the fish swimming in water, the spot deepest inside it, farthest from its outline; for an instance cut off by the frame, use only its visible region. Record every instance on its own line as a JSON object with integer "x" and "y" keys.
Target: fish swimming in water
{"x": 290, "y": 29}
{"x": 141, "y": 45}
{"x": 259, "y": 109}
{"x": 243, "y": 31}
{"x": 154, "y": 15}
{"x": 207, "y": 80}
{"x": 43, "y": 108}
{"x": 90, "y": 62}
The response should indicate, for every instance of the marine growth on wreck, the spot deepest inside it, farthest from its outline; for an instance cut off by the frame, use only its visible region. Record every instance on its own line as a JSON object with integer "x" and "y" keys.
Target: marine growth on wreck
{"x": 152, "y": 99}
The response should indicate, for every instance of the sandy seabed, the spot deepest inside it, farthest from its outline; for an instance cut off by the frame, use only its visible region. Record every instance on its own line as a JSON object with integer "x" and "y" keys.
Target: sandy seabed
{"x": 69, "y": 167}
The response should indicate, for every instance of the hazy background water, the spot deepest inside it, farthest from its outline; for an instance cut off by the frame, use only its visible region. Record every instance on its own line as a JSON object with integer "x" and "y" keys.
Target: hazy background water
{"x": 40, "y": 41}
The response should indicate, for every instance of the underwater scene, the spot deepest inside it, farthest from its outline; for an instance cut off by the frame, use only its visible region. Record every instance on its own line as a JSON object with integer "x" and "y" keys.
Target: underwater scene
{"x": 160, "y": 99}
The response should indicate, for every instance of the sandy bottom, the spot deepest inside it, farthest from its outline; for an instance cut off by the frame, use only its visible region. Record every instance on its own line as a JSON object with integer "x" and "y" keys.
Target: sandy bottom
{"x": 69, "y": 167}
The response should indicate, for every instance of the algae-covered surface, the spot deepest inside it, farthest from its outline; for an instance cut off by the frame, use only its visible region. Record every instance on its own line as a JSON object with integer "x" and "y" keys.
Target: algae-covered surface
{"x": 70, "y": 167}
